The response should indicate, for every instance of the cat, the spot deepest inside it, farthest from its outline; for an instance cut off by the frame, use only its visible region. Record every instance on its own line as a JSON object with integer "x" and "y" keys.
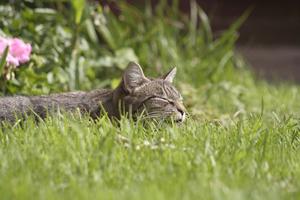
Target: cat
{"x": 136, "y": 95}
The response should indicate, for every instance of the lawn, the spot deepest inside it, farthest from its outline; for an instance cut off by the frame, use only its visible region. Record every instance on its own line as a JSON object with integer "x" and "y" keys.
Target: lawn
{"x": 240, "y": 141}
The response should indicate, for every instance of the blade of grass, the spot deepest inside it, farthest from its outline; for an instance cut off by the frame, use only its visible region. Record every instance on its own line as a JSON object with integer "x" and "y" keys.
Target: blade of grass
{"x": 78, "y": 6}
{"x": 208, "y": 36}
{"x": 228, "y": 35}
{"x": 3, "y": 59}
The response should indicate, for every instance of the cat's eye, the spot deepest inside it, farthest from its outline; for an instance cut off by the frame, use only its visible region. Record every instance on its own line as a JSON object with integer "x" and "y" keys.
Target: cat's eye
{"x": 172, "y": 103}
{"x": 162, "y": 99}
{"x": 165, "y": 100}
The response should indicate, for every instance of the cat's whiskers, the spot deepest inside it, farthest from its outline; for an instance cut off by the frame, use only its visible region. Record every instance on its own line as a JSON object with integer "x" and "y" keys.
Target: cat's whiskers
{"x": 158, "y": 114}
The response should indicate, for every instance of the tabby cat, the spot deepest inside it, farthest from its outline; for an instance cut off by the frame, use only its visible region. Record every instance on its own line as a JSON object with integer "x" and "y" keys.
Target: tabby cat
{"x": 136, "y": 95}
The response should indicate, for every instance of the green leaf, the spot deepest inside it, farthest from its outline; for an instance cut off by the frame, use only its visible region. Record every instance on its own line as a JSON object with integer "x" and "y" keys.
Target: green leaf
{"x": 3, "y": 59}
{"x": 78, "y": 6}
{"x": 206, "y": 26}
{"x": 45, "y": 11}
{"x": 124, "y": 56}
{"x": 90, "y": 29}
{"x": 101, "y": 26}
{"x": 115, "y": 83}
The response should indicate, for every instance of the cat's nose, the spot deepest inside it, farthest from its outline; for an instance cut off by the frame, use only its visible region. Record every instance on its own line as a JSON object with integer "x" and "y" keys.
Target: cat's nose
{"x": 181, "y": 112}
{"x": 181, "y": 116}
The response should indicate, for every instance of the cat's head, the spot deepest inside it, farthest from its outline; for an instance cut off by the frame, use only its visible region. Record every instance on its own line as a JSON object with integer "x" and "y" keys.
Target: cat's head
{"x": 151, "y": 97}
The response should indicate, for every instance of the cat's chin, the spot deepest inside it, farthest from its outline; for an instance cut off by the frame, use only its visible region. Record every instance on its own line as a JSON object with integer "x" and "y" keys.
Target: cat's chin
{"x": 156, "y": 120}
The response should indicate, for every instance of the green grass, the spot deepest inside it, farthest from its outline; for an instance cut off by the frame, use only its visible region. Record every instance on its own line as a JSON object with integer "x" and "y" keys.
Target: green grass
{"x": 241, "y": 141}
{"x": 253, "y": 155}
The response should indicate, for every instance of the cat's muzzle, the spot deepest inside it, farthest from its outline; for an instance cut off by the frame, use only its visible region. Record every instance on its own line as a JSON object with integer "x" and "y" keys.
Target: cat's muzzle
{"x": 180, "y": 117}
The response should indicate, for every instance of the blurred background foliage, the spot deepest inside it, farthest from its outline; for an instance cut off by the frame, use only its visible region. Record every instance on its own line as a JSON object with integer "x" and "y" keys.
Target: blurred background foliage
{"x": 81, "y": 45}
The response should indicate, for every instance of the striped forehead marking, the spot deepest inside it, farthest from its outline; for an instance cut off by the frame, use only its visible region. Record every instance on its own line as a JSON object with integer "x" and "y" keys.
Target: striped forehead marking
{"x": 170, "y": 91}
{"x": 160, "y": 88}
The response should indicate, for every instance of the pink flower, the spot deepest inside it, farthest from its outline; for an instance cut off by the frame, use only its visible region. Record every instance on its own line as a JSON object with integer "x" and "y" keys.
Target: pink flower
{"x": 19, "y": 52}
{"x": 12, "y": 60}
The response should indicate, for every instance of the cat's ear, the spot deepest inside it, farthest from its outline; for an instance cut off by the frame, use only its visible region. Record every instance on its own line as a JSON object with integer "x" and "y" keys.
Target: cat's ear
{"x": 133, "y": 77}
{"x": 170, "y": 75}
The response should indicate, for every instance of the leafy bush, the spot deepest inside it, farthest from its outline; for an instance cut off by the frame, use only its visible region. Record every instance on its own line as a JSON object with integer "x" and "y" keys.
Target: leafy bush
{"x": 84, "y": 45}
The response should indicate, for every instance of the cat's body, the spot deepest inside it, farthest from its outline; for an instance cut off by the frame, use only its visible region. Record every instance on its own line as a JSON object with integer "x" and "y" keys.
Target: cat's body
{"x": 135, "y": 94}
{"x": 21, "y": 106}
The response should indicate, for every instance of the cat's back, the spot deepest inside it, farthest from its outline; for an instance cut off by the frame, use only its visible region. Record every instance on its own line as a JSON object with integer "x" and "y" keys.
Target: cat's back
{"x": 19, "y": 106}
{"x": 12, "y": 102}
{"x": 11, "y": 105}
